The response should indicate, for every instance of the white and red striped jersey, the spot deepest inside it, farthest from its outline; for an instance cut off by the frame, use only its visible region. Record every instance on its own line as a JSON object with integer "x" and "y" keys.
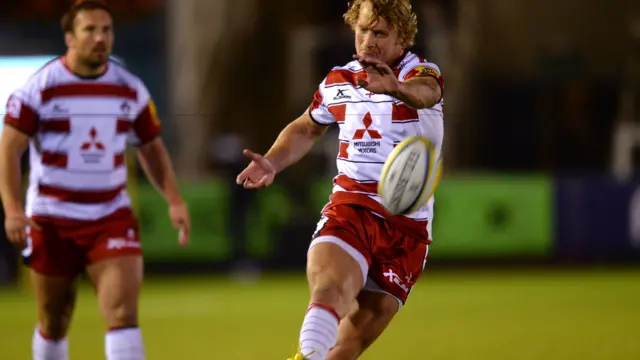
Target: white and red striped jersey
{"x": 79, "y": 130}
{"x": 371, "y": 125}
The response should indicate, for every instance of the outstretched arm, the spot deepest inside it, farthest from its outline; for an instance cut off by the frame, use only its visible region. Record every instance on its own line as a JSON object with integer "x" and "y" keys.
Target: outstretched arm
{"x": 293, "y": 143}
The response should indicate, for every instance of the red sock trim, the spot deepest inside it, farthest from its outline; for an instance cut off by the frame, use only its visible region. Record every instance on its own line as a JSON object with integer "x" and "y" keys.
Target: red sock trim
{"x": 325, "y": 307}
{"x": 49, "y": 338}
{"x": 118, "y": 328}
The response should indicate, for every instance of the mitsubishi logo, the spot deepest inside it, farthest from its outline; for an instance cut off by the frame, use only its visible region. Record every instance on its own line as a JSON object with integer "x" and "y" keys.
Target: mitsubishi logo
{"x": 93, "y": 134}
{"x": 92, "y": 151}
{"x": 373, "y": 134}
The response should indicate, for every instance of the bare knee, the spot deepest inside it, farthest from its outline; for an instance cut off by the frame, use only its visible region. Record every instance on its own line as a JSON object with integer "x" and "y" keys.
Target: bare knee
{"x": 334, "y": 277}
{"x": 55, "y": 298}
{"x": 121, "y": 315}
{"x": 334, "y": 294}
{"x": 118, "y": 283}
{"x": 119, "y": 307}
{"x": 55, "y": 317}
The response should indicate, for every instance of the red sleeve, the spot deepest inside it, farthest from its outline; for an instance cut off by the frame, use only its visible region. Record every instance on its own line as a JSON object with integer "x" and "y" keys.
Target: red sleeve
{"x": 425, "y": 71}
{"x": 317, "y": 101}
{"x": 147, "y": 125}
{"x": 318, "y": 110}
{"x": 21, "y": 116}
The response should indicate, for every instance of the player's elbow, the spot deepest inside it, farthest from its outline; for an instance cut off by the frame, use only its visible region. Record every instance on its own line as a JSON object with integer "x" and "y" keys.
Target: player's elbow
{"x": 428, "y": 104}
{"x": 426, "y": 93}
{"x": 10, "y": 159}
{"x": 152, "y": 151}
{"x": 422, "y": 103}
{"x": 421, "y": 97}
{"x": 13, "y": 142}
{"x": 430, "y": 98}
{"x": 316, "y": 131}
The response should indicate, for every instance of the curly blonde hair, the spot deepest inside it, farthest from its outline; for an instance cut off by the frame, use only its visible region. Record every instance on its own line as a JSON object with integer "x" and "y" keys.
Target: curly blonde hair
{"x": 398, "y": 14}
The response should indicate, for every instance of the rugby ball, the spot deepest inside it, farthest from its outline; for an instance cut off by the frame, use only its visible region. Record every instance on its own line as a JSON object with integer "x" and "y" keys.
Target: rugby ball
{"x": 410, "y": 175}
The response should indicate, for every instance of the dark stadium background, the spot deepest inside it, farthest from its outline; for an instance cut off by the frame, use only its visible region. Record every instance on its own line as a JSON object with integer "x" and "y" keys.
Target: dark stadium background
{"x": 537, "y": 226}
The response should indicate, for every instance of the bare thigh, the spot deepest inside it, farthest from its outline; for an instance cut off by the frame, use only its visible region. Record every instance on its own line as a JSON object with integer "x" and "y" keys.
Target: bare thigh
{"x": 334, "y": 277}
{"x": 370, "y": 315}
{"x": 55, "y": 299}
{"x": 117, "y": 282}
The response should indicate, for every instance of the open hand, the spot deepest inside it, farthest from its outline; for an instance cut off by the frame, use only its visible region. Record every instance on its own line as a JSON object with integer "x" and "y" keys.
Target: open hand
{"x": 380, "y": 78}
{"x": 259, "y": 174}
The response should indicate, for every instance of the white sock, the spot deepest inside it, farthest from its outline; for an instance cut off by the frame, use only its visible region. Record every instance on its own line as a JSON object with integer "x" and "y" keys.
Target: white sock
{"x": 124, "y": 344}
{"x": 45, "y": 349}
{"x": 319, "y": 332}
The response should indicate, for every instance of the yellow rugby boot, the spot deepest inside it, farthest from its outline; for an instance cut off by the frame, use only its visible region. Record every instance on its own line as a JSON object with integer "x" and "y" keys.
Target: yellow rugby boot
{"x": 300, "y": 356}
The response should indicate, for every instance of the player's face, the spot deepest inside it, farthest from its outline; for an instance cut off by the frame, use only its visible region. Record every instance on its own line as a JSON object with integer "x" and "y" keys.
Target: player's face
{"x": 92, "y": 37}
{"x": 376, "y": 39}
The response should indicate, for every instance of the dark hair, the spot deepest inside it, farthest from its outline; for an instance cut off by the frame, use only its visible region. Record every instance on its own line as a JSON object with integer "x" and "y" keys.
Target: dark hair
{"x": 79, "y": 5}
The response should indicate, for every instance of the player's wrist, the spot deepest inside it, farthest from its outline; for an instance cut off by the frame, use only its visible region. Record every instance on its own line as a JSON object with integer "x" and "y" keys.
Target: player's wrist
{"x": 175, "y": 200}
{"x": 397, "y": 89}
{"x": 275, "y": 166}
{"x": 13, "y": 210}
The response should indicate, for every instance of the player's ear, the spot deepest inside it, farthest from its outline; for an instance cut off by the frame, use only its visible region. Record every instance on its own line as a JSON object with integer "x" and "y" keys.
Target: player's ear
{"x": 69, "y": 39}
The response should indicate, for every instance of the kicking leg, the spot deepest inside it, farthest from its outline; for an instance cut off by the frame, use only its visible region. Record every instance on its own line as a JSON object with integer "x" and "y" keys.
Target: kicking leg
{"x": 117, "y": 282}
{"x": 335, "y": 272}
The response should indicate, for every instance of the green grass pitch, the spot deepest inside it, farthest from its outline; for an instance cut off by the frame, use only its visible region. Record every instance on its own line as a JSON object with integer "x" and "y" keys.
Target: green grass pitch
{"x": 478, "y": 315}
